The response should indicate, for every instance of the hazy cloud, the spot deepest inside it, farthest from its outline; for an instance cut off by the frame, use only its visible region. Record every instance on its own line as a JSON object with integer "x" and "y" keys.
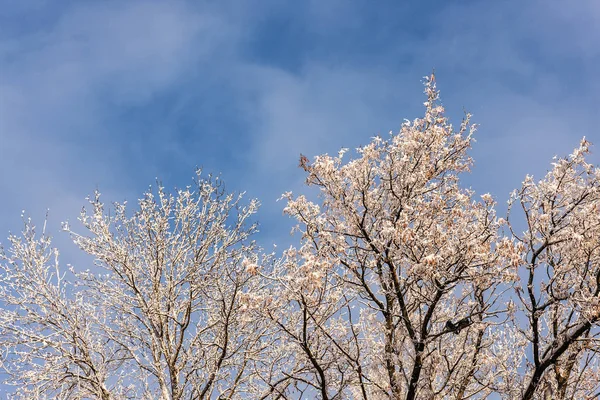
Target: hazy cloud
{"x": 113, "y": 94}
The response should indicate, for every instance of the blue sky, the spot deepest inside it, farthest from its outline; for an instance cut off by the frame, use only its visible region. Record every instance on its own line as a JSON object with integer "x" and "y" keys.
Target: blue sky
{"x": 112, "y": 94}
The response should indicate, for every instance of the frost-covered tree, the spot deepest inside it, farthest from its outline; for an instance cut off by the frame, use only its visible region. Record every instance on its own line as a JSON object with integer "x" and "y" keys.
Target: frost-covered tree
{"x": 159, "y": 316}
{"x": 559, "y": 254}
{"x": 404, "y": 285}
{"x": 393, "y": 292}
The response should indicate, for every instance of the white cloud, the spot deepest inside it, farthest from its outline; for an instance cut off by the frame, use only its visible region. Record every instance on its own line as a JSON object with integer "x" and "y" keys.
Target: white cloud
{"x": 61, "y": 86}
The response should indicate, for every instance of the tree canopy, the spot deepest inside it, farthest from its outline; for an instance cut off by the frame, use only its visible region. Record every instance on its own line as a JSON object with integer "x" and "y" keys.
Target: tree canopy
{"x": 403, "y": 285}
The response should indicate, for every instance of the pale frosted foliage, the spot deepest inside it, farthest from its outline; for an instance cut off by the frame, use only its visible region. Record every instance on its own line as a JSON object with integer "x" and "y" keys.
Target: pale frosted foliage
{"x": 560, "y": 286}
{"x": 49, "y": 334}
{"x": 403, "y": 285}
{"x": 394, "y": 251}
{"x": 159, "y": 317}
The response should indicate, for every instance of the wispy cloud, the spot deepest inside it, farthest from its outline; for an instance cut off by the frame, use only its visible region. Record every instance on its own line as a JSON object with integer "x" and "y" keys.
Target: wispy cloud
{"x": 113, "y": 94}
{"x": 63, "y": 85}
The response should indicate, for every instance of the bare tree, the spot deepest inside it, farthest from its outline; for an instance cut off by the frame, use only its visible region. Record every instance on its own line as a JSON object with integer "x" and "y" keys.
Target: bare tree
{"x": 399, "y": 287}
{"x": 50, "y": 336}
{"x": 395, "y": 288}
{"x": 560, "y": 289}
{"x": 160, "y": 315}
